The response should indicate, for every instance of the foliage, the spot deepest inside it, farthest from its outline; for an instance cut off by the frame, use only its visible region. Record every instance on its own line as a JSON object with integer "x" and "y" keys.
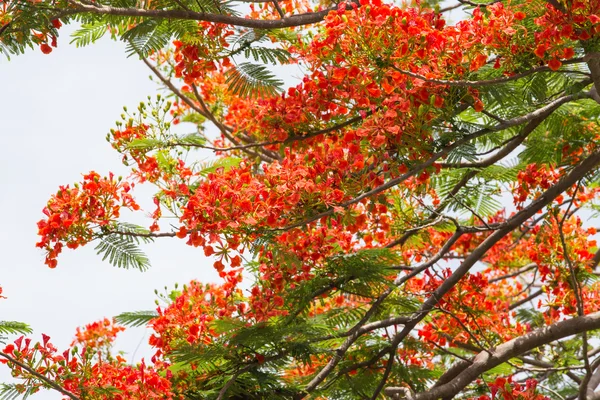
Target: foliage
{"x": 410, "y": 219}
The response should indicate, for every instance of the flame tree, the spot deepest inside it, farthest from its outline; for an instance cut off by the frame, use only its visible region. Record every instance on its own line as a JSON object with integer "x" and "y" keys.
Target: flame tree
{"x": 411, "y": 220}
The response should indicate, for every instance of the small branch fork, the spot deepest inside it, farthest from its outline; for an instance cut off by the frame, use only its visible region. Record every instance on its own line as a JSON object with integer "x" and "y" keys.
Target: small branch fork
{"x": 488, "y": 359}
{"x": 203, "y": 110}
{"x": 41, "y": 377}
{"x": 588, "y": 58}
{"x": 532, "y": 117}
{"x": 490, "y": 82}
{"x": 449, "y": 389}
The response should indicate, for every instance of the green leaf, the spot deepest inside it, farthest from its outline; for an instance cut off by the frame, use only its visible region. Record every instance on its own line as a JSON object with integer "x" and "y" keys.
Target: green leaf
{"x": 193, "y": 139}
{"x": 136, "y": 318}
{"x": 146, "y": 37}
{"x": 132, "y": 232}
{"x": 9, "y": 391}
{"x": 225, "y": 163}
{"x": 252, "y": 80}
{"x": 122, "y": 252}
{"x": 14, "y": 327}
{"x": 504, "y": 368}
{"x": 530, "y": 316}
{"x": 267, "y": 55}
{"x": 89, "y": 33}
{"x": 144, "y": 144}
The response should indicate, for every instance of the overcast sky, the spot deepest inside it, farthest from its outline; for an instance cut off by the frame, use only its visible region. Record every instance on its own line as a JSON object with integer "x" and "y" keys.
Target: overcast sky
{"x": 55, "y": 111}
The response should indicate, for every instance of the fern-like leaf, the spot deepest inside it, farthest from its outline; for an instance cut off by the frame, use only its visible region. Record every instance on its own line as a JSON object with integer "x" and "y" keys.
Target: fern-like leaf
{"x": 122, "y": 252}
{"x": 14, "y": 327}
{"x": 267, "y": 55}
{"x": 136, "y": 318}
{"x": 225, "y": 163}
{"x": 247, "y": 79}
{"x": 9, "y": 391}
{"x": 132, "y": 232}
{"x": 89, "y": 33}
{"x": 146, "y": 37}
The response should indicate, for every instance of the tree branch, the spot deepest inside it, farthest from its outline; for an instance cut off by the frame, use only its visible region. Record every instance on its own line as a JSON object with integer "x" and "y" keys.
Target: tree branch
{"x": 287, "y": 22}
{"x": 41, "y": 377}
{"x": 534, "y": 115}
{"x": 520, "y": 271}
{"x": 487, "y": 360}
{"x": 546, "y": 198}
{"x": 484, "y": 82}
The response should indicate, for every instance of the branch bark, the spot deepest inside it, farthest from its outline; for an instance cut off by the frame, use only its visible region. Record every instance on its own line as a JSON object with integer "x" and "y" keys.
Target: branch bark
{"x": 287, "y": 22}
{"x": 488, "y": 359}
{"x": 546, "y": 198}
{"x": 41, "y": 377}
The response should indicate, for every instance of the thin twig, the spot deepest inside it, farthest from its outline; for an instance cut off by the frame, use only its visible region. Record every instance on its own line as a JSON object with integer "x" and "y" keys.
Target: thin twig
{"x": 520, "y": 271}
{"x": 542, "y": 112}
{"x": 278, "y": 8}
{"x": 41, "y": 377}
{"x": 485, "y": 82}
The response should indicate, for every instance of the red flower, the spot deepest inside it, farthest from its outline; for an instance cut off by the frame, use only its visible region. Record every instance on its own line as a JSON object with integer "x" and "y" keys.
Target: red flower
{"x": 540, "y": 51}
{"x": 478, "y": 106}
{"x": 519, "y": 15}
{"x": 554, "y": 64}
{"x": 46, "y": 49}
{"x": 9, "y": 349}
{"x": 568, "y": 53}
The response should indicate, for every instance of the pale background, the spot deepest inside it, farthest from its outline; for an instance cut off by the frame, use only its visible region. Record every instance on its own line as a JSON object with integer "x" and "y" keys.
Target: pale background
{"x": 55, "y": 111}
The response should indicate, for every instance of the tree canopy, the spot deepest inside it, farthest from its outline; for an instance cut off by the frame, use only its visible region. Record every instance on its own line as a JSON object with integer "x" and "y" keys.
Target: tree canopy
{"x": 413, "y": 219}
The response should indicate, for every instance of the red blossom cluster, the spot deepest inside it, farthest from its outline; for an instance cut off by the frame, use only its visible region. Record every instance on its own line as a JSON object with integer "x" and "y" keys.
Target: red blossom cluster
{"x": 187, "y": 319}
{"x": 560, "y": 30}
{"x": 534, "y": 180}
{"x": 194, "y": 62}
{"x": 73, "y": 214}
{"x": 45, "y": 38}
{"x": 341, "y": 162}
{"x": 97, "y": 335}
{"x": 147, "y": 165}
{"x": 509, "y": 389}
{"x": 474, "y": 311}
{"x": 84, "y": 373}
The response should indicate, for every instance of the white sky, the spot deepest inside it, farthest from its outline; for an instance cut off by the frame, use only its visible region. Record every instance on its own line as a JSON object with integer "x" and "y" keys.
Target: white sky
{"x": 55, "y": 111}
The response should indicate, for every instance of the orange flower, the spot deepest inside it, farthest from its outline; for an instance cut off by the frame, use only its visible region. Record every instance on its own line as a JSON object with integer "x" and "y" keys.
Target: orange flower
{"x": 554, "y": 64}
{"x": 46, "y": 49}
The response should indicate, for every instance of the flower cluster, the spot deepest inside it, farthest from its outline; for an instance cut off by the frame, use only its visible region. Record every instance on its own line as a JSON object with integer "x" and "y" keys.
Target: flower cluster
{"x": 72, "y": 214}
{"x": 85, "y": 372}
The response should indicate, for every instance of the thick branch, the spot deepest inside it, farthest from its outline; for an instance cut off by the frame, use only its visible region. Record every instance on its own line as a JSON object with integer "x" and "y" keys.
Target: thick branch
{"x": 287, "y": 22}
{"x": 546, "y": 198}
{"x": 487, "y": 360}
